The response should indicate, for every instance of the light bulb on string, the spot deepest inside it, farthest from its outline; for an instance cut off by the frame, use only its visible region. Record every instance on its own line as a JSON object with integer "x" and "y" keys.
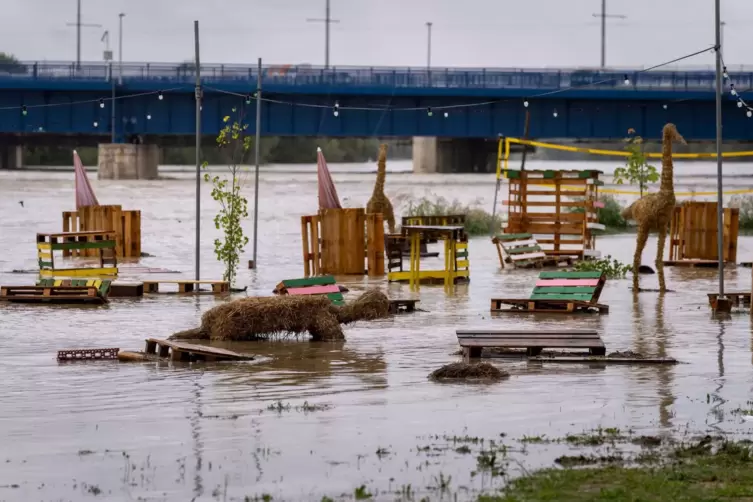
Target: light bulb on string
{"x": 248, "y": 99}
{"x": 725, "y": 74}
{"x": 429, "y": 112}
{"x": 148, "y": 116}
{"x": 160, "y": 96}
{"x": 446, "y": 114}
{"x": 555, "y": 113}
{"x": 739, "y": 104}
{"x": 525, "y": 103}
{"x": 101, "y": 103}
{"x": 732, "y": 89}
{"x": 749, "y": 114}
{"x": 23, "y": 110}
{"x": 96, "y": 124}
{"x": 627, "y": 80}
{"x": 664, "y": 106}
{"x": 336, "y": 109}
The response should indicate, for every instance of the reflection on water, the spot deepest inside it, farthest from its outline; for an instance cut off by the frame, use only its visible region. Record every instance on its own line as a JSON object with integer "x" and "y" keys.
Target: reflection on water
{"x": 174, "y": 431}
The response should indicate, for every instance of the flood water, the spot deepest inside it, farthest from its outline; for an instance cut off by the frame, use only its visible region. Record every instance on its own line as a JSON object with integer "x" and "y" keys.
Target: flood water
{"x": 158, "y": 431}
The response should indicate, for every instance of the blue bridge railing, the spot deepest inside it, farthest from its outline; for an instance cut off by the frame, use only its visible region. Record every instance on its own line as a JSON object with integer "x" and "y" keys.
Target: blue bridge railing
{"x": 377, "y": 77}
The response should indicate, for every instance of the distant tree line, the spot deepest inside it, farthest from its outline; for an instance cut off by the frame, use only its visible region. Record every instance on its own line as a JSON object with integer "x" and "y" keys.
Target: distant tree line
{"x": 273, "y": 150}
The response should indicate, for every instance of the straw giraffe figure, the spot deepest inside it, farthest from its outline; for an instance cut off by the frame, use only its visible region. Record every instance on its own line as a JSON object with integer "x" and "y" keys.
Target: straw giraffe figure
{"x": 379, "y": 203}
{"x": 653, "y": 212}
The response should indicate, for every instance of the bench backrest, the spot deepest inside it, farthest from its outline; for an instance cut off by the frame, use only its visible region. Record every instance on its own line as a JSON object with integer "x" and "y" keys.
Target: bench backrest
{"x": 521, "y": 248}
{"x": 575, "y": 286}
{"x": 320, "y": 285}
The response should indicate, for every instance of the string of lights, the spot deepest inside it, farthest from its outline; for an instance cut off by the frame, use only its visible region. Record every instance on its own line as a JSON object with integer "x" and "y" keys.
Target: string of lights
{"x": 741, "y": 103}
{"x": 337, "y": 109}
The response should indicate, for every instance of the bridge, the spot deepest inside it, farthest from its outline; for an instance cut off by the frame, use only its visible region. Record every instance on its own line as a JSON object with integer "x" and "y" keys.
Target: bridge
{"x": 464, "y": 108}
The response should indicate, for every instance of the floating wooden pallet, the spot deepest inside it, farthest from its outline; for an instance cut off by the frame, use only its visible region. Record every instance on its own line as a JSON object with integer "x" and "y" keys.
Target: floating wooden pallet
{"x": 738, "y": 299}
{"x": 559, "y": 292}
{"x": 397, "y": 306}
{"x": 43, "y": 294}
{"x": 474, "y": 341}
{"x": 321, "y": 285}
{"x": 102, "y": 285}
{"x": 189, "y": 352}
{"x": 87, "y": 354}
{"x": 184, "y": 287}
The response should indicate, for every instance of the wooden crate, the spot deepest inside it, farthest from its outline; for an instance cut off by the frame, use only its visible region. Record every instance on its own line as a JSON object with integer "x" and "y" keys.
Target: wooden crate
{"x": 559, "y": 205}
{"x": 337, "y": 241}
{"x": 125, "y": 224}
{"x": 101, "y": 242}
{"x": 693, "y": 232}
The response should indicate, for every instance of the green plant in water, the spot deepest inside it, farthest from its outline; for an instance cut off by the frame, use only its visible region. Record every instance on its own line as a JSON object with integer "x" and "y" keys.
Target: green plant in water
{"x": 613, "y": 268}
{"x": 637, "y": 170}
{"x": 477, "y": 221}
{"x": 226, "y": 191}
{"x": 609, "y": 215}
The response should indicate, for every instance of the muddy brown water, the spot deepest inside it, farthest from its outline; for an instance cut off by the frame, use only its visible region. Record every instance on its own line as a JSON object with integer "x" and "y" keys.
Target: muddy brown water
{"x": 76, "y": 431}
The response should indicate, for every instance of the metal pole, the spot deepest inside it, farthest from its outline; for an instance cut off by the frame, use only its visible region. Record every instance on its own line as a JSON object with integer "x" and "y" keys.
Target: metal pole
{"x": 326, "y": 42}
{"x": 603, "y": 33}
{"x": 719, "y": 195}
{"x": 120, "y": 49}
{"x": 112, "y": 106}
{"x": 78, "y": 35}
{"x": 257, "y": 143}
{"x": 198, "y": 145}
{"x": 428, "y": 47}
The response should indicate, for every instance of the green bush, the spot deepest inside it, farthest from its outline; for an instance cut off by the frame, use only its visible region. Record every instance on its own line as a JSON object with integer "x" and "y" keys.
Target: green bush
{"x": 609, "y": 215}
{"x": 745, "y": 203}
{"x": 477, "y": 220}
{"x": 613, "y": 268}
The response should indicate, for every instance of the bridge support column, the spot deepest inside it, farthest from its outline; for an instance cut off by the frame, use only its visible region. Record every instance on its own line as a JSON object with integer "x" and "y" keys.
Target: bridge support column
{"x": 123, "y": 161}
{"x": 11, "y": 156}
{"x": 448, "y": 155}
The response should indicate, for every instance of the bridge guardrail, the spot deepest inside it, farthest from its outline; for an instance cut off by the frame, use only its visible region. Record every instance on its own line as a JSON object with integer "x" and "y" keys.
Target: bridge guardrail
{"x": 489, "y": 78}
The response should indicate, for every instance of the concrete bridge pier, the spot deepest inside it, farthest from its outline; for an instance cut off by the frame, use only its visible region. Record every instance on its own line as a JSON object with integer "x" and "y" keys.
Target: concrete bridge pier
{"x": 125, "y": 161}
{"x": 454, "y": 155}
{"x": 11, "y": 156}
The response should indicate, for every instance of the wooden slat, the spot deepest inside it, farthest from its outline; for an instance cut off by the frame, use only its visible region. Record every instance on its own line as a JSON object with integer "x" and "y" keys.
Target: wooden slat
{"x": 314, "y": 290}
{"x": 561, "y": 296}
{"x": 570, "y": 275}
{"x": 521, "y": 250}
{"x": 529, "y": 256}
{"x": 520, "y": 243}
{"x": 534, "y": 342}
{"x": 548, "y": 290}
{"x": 526, "y": 332}
{"x": 513, "y": 237}
{"x": 567, "y": 282}
{"x": 323, "y": 280}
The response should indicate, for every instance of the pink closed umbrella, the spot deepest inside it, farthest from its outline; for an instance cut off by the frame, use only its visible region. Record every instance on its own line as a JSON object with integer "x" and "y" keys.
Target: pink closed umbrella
{"x": 328, "y": 198}
{"x": 84, "y": 193}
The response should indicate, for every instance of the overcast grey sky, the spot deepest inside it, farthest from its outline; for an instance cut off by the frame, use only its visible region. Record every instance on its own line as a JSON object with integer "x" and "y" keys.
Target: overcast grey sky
{"x": 490, "y": 33}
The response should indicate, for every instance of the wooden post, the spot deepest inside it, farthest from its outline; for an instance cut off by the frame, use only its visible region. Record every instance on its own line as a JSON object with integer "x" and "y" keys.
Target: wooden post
{"x": 305, "y": 242}
{"x": 375, "y": 244}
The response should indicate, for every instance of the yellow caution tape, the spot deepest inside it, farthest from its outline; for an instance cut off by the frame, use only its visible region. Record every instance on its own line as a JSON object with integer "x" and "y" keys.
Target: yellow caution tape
{"x": 637, "y": 192}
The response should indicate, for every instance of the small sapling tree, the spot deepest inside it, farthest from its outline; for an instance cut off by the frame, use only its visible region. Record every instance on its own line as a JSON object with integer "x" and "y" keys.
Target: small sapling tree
{"x": 637, "y": 170}
{"x": 226, "y": 191}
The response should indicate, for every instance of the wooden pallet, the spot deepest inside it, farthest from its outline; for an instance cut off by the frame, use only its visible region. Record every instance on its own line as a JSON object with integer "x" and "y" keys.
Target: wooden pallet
{"x": 559, "y": 292}
{"x": 185, "y": 287}
{"x": 59, "y": 295}
{"x": 397, "y": 306}
{"x": 737, "y": 299}
{"x": 474, "y": 341}
{"x": 87, "y": 354}
{"x": 103, "y": 285}
{"x": 523, "y": 251}
{"x": 189, "y": 352}
{"x": 321, "y": 285}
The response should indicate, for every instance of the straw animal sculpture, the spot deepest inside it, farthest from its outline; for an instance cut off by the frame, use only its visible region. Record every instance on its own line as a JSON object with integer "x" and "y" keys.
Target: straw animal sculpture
{"x": 262, "y": 317}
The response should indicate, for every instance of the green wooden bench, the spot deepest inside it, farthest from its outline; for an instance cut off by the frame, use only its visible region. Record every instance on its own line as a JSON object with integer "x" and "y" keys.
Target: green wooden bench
{"x": 522, "y": 250}
{"x": 559, "y": 292}
{"x": 321, "y": 285}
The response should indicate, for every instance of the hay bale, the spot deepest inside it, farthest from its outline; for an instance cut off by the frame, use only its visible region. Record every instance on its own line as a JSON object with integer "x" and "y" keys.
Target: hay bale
{"x": 257, "y": 318}
{"x": 468, "y": 371}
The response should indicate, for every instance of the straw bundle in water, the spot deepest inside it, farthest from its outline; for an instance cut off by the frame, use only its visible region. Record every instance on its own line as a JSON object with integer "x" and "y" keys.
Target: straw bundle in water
{"x": 468, "y": 371}
{"x": 261, "y": 317}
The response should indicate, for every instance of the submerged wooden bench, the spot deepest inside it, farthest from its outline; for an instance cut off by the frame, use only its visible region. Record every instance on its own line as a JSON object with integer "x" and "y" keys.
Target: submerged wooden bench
{"x": 474, "y": 341}
{"x": 522, "y": 250}
{"x": 189, "y": 352}
{"x": 559, "y": 292}
{"x": 321, "y": 285}
{"x": 51, "y": 294}
{"x": 738, "y": 299}
{"x": 218, "y": 287}
{"x": 103, "y": 285}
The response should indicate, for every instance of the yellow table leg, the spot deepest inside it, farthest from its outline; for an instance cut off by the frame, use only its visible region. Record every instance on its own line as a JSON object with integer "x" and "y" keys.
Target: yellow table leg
{"x": 453, "y": 260}
{"x": 415, "y": 253}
